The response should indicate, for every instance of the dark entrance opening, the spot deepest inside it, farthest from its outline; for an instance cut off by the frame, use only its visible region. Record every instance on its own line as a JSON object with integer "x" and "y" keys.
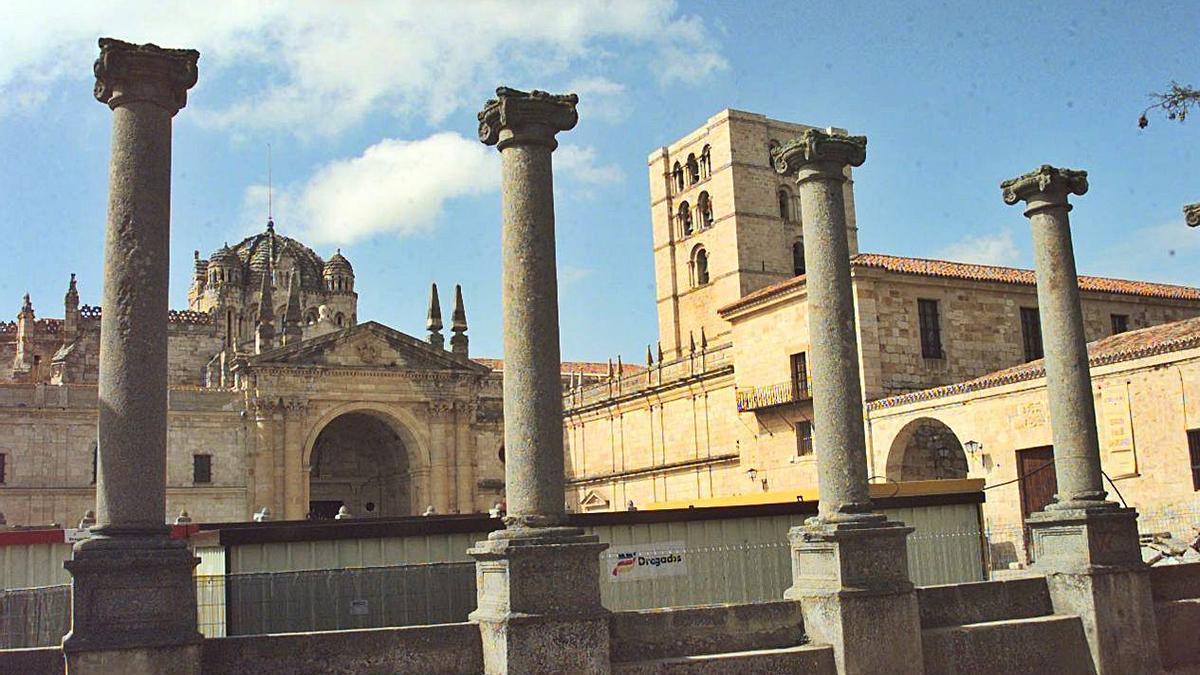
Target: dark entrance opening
{"x": 360, "y": 459}
{"x": 324, "y": 509}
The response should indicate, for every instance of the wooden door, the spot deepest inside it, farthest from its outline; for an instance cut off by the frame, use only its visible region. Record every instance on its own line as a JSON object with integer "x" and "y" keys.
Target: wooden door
{"x": 1038, "y": 484}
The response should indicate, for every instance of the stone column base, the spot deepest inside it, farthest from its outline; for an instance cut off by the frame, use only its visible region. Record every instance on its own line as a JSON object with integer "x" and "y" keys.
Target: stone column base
{"x": 539, "y": 602}
{"x": 183, "y": 660}
{"x": 1094, "y": 570}
{"x": 852, "y": 582}
{"x": 132, "y": 598}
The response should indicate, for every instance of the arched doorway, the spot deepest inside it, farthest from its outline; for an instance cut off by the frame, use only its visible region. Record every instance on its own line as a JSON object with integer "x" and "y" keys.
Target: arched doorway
{"x": 360, "y": 461}
{"x": 926, "y": 449}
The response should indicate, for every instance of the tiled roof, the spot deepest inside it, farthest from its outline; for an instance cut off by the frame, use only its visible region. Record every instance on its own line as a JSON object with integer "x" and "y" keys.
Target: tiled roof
{"x": 571, "y": 367}
{"x": 957, "y": 270}
{"x": 1169, "y": 337}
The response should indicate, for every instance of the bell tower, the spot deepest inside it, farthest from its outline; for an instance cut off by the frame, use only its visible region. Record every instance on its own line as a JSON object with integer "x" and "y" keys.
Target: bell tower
{"x": 725, "y": 224}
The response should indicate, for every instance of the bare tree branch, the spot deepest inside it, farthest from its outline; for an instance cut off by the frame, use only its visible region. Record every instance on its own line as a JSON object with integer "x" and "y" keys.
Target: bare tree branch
{"x": 1175, "y": 102}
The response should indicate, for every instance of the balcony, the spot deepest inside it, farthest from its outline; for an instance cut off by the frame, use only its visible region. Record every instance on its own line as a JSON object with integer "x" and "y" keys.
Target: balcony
{"x": 761, "y": 398}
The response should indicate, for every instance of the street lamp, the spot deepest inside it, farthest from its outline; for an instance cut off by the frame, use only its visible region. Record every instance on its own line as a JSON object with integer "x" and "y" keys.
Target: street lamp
{"x": 972, "y": 448}
{"x": 751, "y": 473}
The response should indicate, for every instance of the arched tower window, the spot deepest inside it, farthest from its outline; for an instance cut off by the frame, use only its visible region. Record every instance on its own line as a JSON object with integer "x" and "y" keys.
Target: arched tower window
{"x": 340, "y": 319}
{"x": 704, "y": 209}
{"x": 684, "y": 214}
{"x": 677, "y": 176}
{"x": 706, "y": 162}
{"x": 798, "y": 258}
{"x": 700, "y": 274}
{"x": 693, "y": 169}
{"x": 785, "y": 206}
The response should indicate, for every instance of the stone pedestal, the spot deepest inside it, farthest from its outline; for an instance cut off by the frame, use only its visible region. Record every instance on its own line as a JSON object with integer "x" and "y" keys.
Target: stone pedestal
{"x": 539, "y": 605}
{"x": 852, "y": 582}
{"x": 134, "y": 606}
{"x": 1094, "y": 569}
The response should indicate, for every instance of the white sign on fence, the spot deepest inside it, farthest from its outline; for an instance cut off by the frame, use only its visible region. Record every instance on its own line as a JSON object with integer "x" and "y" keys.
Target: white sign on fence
{"x": 646, "y": 561}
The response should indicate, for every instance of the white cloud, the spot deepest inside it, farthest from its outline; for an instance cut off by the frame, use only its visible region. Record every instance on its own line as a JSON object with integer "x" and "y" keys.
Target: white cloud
{"x": 601, "y": 98}
{"x": 985, "y": 249}
{"x": 579, "y": 162}
{"x": 395, "y": 186}
{"x": 322, "y": 67}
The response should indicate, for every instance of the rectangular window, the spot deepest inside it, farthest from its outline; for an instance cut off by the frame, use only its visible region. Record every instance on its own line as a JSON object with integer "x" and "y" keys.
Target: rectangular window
{"x": 1120, "y": 323}
{"x": 201, "y": 468}
{"x": 799, "y": 376}
{"x": 931, "y": 329}
{"x": 1031, "y": 332}
{"x": 1193, "y": 449}
{"x": 804, "y": 438}
{"x": 3, "y": 467}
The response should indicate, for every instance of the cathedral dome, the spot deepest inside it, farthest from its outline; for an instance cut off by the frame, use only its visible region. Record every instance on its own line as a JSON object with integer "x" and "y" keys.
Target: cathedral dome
{"x": 254, "y": 252}
{"x": 224, "y": 257}
{"x": 338, "y": 265}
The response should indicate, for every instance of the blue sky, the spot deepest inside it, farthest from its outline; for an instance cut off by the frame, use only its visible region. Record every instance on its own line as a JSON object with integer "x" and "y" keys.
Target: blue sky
{"x": 370, "y": 110}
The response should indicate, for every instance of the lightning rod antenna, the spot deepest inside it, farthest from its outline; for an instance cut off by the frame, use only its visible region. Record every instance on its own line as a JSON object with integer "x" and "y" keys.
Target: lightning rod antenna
{"x": 270, "y": 212}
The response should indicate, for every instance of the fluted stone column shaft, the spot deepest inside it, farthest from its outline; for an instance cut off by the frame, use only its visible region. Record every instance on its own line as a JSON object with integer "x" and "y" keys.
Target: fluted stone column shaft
{"x": 1068, "y": 379}
{"x": 819, "y": 163}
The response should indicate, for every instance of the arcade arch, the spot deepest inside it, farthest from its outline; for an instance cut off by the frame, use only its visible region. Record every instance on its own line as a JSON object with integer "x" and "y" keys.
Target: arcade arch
{"x": 926, "y": 449}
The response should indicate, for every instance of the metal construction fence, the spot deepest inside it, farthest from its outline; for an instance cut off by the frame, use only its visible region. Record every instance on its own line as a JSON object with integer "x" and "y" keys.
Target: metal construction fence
{"x": 34, "y": 617}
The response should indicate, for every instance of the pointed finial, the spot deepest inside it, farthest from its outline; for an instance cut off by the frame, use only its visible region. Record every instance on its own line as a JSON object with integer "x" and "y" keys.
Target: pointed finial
{"x": 292, "y": 329}
{"x": 433, "y": 320}
{"x": 703, "y": 339}
{"x": 649, "y": 357}
{"x": 660, "y": 353}
{"x": 610, "y": 369}
{"x": 620, "y": 367}
{"x": 458, "y": 324}
{"x": 692, "y": 342}
{"x": 27, "y": 305}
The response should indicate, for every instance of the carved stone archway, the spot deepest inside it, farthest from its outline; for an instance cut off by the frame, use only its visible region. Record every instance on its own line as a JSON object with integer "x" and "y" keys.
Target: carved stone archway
{"x": 926, "y": 449}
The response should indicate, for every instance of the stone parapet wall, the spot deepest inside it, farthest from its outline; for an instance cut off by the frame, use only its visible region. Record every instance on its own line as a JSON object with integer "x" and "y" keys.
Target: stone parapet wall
{"x": 682, "y": 631}
{"x": 441, "y": 648}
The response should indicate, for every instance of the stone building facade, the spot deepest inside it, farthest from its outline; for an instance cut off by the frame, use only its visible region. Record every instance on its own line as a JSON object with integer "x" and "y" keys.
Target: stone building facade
{"x": 279, "y": 399}
{"x": 1146, "y": 386}
{"x": 732, "y": 414}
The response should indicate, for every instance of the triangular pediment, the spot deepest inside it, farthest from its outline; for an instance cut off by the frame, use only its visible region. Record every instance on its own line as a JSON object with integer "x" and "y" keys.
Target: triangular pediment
{"x": 592, "y": 501}
{"x": 368, "y": 345}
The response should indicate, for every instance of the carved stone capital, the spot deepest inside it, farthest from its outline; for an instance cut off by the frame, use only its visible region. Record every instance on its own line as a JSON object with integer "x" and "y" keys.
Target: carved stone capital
{"x": 127, "y": 72}
{"x": 526, "y": 117}
{"x": 1045, "y": 187}
{"x": 439, "y": 408}
{"x": 1192, "y": 213}
{"x": 818, "y": 154}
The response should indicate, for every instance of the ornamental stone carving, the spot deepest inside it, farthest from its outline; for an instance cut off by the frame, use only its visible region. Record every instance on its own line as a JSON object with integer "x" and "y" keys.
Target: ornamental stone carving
{"x": 126, "y": 73}
{"x": 819, "y": 152}
{"x": 526, "y": 117}
{"x": 439, "y": 408}
{"x": 1192, "y": 213}
{"x": 1044, "y": 187}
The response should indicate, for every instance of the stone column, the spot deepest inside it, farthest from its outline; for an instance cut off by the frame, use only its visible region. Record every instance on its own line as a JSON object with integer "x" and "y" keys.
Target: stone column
{"x": 849, "y": 564}
{"x": 539, "y": 594}
{"x": 440, "y": 441}
{"x": 465, "y": 454}
{"x": 1087, "y": 546}
{"x": 134, "y": 603}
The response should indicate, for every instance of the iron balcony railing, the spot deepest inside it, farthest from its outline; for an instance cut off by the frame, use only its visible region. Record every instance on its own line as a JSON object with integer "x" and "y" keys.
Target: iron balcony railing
{"x": 758, "y": 398}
